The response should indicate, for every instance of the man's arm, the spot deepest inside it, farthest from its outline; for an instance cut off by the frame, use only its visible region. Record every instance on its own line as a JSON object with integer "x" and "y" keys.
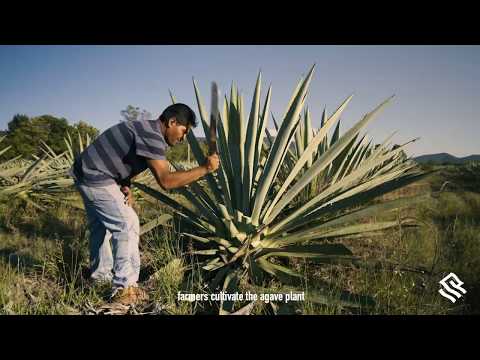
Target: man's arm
{"x": 171, "y": 180}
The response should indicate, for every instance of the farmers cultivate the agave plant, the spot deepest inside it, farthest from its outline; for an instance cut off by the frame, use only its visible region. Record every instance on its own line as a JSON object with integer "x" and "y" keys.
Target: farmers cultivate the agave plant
{"x": 102, "y": 175}
{"x": 272, "y": 199}
{"x": 259, "y": 208}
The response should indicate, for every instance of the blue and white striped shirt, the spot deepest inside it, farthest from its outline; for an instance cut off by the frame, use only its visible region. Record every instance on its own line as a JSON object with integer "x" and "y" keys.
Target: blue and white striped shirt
{"x": 120, "y": 153}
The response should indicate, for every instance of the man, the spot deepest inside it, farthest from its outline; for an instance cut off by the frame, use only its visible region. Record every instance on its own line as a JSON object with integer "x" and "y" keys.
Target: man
{"x": 102, "y": 175}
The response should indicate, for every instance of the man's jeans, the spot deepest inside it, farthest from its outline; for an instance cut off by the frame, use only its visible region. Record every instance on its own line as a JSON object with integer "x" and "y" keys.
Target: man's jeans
{"x": 113, "y": 226}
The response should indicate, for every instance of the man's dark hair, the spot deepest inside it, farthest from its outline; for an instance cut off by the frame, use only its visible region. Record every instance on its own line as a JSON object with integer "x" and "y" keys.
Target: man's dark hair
{"x": 184, "y": 115}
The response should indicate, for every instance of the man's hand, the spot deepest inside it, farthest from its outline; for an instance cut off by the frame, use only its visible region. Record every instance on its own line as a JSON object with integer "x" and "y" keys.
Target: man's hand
{"x": 213, "y": 162}
{"x": 173, "y": 180}
{"x": 128, "y": 195}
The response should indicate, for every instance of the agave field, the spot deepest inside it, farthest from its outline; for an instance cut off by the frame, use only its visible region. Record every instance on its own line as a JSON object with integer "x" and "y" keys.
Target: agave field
{"x": 274, "y": 199}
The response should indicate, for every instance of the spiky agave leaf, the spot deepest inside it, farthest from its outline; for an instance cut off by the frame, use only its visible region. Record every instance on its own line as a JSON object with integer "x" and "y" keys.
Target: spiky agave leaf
{"x": 4, "y": 150}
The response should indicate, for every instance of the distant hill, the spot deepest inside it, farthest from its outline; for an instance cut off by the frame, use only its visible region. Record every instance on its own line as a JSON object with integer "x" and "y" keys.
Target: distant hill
{"x": 444, "y": 158}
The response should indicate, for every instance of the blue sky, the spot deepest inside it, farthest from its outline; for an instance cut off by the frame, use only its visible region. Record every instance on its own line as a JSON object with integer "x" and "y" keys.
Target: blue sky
{"x": 437, "y": 88}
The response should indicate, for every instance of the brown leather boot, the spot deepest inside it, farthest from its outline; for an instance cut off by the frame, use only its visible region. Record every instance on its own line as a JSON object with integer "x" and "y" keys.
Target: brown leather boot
{"x": 129, "y": 296}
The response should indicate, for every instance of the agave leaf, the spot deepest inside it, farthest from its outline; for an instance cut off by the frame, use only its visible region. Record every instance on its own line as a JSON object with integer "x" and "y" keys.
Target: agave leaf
{"x": 34, "y": 167}
{"x": 261, "y": 133}
{"x": 198, "y": 238}
{"x": 204, "y": 252}
{"x": 270, "y": 140}
{"x": 47, "y": 150}
{"x": 278, "y": 147}
{"x": 226, "y": 163}
{"x": 201, "y": 159}
{"x": 224, "y": 242}
{"x": 70, "y": 154}
{"x": 321, "y": 147}
{"x": 299, "y": 145}
{"x": 292, "y": 99}
{"x": 366, "y": 212}
{"x": 161, "y": 220}
{"x": 214, "y": 264}
{"x": 292, "y": 154}
{"x": 180, "y": 209}
{"x": 336, "y": 134}
{"x": 80, "y": 142}
{"x": 225, "y": 113}
{"x": 308, "y": 135}
{"x": 69, "y": 142}
{"x": 250, "y": 145}
{"x": 201, "y": 109}
{"x": 363, "y": 229}
{"x": 230, "y": 286}
{"x": 220, "y": 275}
{"x": 172, "y": 97}
{"x": 305, "y": 251}
{"x": 287, "y": 154}
{"x": 283, "y": 273}
{"x": 241, "y": 149}
{"x": 275, "y": 123}
{"x": 234, "y": 145}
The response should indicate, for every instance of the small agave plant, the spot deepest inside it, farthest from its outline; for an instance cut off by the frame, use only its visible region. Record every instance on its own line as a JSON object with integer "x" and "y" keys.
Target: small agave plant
{"x": 43, "y": 180}
{"x": 259, "y": 206}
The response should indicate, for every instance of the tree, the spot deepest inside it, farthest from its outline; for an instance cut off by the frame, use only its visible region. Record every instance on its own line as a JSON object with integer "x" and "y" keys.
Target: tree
{"x": 18, "y": 121}
{"x": 52, "y": 131}
{"x": 84, "y": 128}
{"x": 132, "y": 113}
{"x": 25, "y": 135}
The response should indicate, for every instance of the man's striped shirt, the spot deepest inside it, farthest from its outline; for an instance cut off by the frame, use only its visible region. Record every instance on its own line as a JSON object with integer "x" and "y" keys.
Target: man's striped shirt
{"x": 120, "y": 153}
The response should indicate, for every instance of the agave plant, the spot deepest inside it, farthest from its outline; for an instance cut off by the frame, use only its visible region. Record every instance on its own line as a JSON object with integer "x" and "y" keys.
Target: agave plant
{"x": 9, "y": 168}
{"x": 247, "y": 216}
{"x": 43, "y": 180}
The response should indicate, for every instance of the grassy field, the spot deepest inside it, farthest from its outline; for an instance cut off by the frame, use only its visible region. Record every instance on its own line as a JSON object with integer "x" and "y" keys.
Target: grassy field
{"x": 44, "y": 258}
